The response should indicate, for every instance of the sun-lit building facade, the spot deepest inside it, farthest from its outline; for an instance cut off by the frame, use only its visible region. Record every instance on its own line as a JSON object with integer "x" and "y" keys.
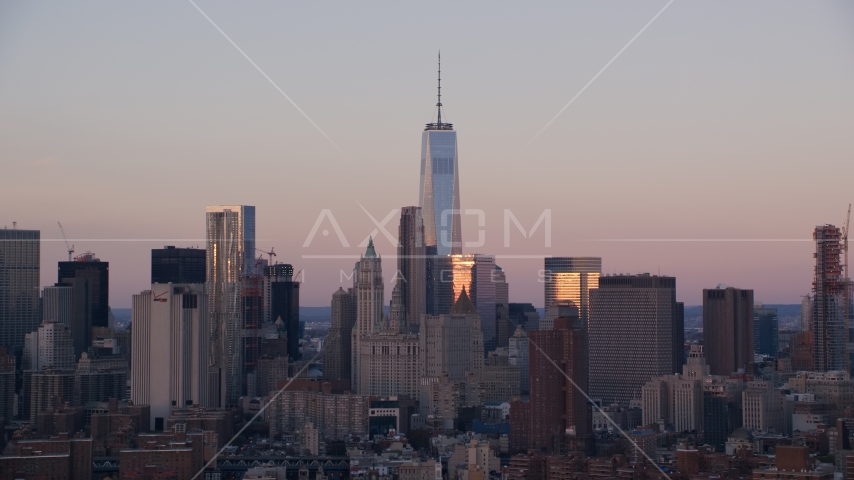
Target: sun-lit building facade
{"x": 571, "y": 279}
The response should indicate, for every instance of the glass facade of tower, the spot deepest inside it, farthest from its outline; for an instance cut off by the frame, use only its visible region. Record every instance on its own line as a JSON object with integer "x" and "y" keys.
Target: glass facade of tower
{"x": 571, "y": 279}
{"x": 230, "y": 255}
{"x": 439, "y": 196}
{"x": 453, "y": 273}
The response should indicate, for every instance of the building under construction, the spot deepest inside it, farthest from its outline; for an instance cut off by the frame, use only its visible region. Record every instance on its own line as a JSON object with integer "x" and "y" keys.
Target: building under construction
{"x": 830, "y": 328}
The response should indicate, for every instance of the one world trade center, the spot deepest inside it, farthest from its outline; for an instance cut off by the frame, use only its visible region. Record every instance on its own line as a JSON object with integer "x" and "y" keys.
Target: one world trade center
{"x": 439, "y": 196}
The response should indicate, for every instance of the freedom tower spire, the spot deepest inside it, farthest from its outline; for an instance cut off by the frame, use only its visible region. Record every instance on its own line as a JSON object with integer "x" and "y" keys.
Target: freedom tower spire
{"x": 439, "y": 194}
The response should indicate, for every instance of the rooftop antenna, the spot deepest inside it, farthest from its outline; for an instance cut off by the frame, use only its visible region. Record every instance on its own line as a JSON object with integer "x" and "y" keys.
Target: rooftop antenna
{"x": 439, "y": 102}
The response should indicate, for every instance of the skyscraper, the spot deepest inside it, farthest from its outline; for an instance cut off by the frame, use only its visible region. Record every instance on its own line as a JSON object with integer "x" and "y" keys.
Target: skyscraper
{"x": 370, "y": 290}
{"x": 518, "y": 355}
{"x": 502, "y": 289}
{"x": 49, "y": 348}
{"x": 765, "y": 331}
{"x": 389, "y": 360}
{"x": 252, "y": 304}
{"x": 677, "y": 399}
{"x": 56, "y": 304}
{"x": 484, "y": 283}
{"x": 452, "y": 343}
{"x": 635, "y": 333}
{"x": 230, "y": 250}
{"x": 7, "y": 386}
{"x": 411, "y": 266}
{"x": 453, "y": 273}
{"x": 171, "y": 349}
{"x": 97, "y": 292}
{"x": 478, "y": 276}
{"x": 727, "y": 329}
{"x": 524, "y": 315}
{"x": 338, "y": 346}
{"x": 19, "y": 286}
{"x": 177, "y": 265}
{"x": 829, "y": 301}
{"x": 560, "y": 415}
{"x": 439, "y": 195}
{"x": 140, "y": 378}
{"x": 571, "y": 279}
{"x": 284, "y": 303}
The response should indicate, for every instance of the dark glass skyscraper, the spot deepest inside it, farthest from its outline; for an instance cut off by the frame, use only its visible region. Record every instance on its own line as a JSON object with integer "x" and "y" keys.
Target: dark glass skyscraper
{"x": 411, "y": 266}
{"x": 284, "y": 303}
{"x": 439, "y": 195}
{"x": 177, "y": 265}
{"x": 97, "y": 293}
{"x": 765, "y": 331}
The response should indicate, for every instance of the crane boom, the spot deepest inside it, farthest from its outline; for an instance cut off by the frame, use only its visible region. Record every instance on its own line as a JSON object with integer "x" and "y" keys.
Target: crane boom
{"x": 70, "y": 248}
{"x": 270, "y": 254}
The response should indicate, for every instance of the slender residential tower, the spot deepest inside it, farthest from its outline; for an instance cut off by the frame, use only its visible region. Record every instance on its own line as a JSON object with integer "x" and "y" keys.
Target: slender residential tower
{"x": 439, "y": 196}
{"x": 230, "y": 254}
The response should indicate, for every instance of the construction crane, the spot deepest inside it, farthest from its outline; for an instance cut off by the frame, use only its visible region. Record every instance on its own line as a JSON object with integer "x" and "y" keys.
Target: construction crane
{"x": 69, "y": 247}
{"x": 297, "y": 277}
{"x": 847, "y": 289}
{"x": 270, "y": 254}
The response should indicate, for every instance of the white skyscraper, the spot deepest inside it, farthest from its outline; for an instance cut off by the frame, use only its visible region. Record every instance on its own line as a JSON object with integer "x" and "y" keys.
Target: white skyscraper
{"x": 230, "y": 253}
{"x": 171, "y": 350}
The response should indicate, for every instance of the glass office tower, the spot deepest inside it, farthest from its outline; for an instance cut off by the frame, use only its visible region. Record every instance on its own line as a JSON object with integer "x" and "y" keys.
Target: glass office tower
{"x": 439, "y": 196}
{"x": 440, "y": 190}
